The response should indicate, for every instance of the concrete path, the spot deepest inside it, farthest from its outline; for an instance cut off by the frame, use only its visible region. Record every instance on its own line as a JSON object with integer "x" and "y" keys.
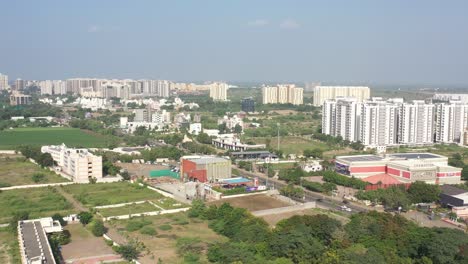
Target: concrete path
{"x": 34, "y": 186}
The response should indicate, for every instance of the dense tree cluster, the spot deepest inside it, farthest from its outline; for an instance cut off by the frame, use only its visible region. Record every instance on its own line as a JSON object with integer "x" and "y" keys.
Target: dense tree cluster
{"x": 194, "y": 147}
{"x": 396, "y": 196}
{"x": 368, "y": 238}
{"x": 333, "y": 177}
{"x": 162, "y": 152}
{"x": 34, "y": 152}
{"x": 457, "y": 161}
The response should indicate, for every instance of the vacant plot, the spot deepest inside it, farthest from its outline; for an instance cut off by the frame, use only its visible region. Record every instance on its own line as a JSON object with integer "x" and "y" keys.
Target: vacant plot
{"x": 92, "y": 195}
{"x": 72, "y": 137}
{"x": 38, "y": 202}
{"x": 273, "y": 219}
{"x": 16, "y": 170}
{"x": 169, "y": 228}
{"x": 9, "y": 248}
{"x": 128, "y": 209}
{"x": 84, "y": 245}
{"x": 253, "y": 202}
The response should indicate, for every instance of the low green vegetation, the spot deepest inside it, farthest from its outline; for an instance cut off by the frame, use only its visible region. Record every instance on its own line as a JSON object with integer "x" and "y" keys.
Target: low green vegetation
{"x": 367, "y": 238}
{"x": 9, "y": 247}
{"x": 128, "y": 209}
{"x": 72, "y": 137}
{"x": 17, "y": 170}
{"x": 36, "y": 202}
{"x": 110, "y": 193}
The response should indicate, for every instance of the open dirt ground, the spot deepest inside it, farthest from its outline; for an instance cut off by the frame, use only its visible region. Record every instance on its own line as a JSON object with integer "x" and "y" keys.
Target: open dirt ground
{"x": 253, "y": 202}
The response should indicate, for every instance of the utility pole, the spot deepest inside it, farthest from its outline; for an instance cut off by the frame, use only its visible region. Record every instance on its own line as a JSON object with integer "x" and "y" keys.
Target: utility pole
{"x": 278, "y": 126}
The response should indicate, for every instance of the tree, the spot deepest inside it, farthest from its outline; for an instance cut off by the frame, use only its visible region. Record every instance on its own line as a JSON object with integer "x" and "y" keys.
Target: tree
{"x": 464, "y": 173}
{"x": 85, "y": 217}
{"x": 315, "y": 153}
{"x": 204, "y": 138}
{"x": 45, "y": 160}
{"x": 238, "y": 129}
{"x": 97, "y": 227}
{"x": 129, "y": 251}
{"x": 59, "y": 217}
{"x": 421, "y": 192}
{"x": 140, "y": 131}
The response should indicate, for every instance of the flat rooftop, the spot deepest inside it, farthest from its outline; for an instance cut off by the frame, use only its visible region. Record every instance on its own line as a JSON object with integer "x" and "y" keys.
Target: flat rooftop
{"x": 414, "y": 156}
{"x": 35, "y": 245}
{"x": 360, "y": 158}
{"x": 208, "y": 160}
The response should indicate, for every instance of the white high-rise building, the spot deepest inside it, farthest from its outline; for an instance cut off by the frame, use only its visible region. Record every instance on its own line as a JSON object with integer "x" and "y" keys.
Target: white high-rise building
{"x": 269, "y": 95}
{"x": 218, "y": 91}
{"x": 416, "y": 123}
{"x": 378, "y": 124}
{"x": 322, "y": 93}
{"x": 80, "y": 164}
{"x": 283, "y": 94}
{"x": 451, "y": 121}
{"x": 3, "y": 82}
{"x": 341, "y": 118}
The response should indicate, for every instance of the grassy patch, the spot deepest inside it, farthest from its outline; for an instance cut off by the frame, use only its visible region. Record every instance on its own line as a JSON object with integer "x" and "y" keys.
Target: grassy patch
{"x": 291, "y": 144}
{"x": 163, "y": 245}
{"x": 72, "y": 137}
{"x": 128, "y": 209}
{"x": 168, "y": 203}
{"x": 19, "y": 171}
{"x": 38, "y": 202}
{"x": 9, "y": 248}
{"x": 110, "y": 193}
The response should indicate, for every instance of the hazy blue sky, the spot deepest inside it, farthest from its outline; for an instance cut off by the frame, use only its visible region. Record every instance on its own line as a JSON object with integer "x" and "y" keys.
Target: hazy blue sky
{"x": 392, "y": 41}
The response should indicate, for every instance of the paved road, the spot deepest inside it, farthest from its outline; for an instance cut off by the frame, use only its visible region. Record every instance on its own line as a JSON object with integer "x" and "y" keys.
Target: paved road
{"x": 332, "y": 203}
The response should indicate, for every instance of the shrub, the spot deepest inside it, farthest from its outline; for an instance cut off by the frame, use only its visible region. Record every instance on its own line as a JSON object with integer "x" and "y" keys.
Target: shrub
{"x": 128, "y": 252}
{"x": 165, "y": 227}
{"x": 148, "y": 230}
{"x": 97, "y": 227}
{"x": 38, "y": 177}
{"x": 110, "y": 243}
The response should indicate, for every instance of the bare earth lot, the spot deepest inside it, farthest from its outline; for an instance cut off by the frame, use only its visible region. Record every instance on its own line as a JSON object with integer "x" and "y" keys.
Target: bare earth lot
{"x": 84, "y": 245}
{"x": 253, "y": 202}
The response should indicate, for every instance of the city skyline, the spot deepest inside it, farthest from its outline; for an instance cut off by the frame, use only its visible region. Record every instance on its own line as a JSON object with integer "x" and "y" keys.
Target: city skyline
{"x": 398, "y": 42}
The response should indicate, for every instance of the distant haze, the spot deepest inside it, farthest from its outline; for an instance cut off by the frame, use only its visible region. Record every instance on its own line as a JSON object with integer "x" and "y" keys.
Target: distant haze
{"x": 417, "y": 42}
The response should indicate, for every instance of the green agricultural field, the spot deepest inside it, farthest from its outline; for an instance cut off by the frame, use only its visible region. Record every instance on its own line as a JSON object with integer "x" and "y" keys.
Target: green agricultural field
{"x": 17, "y": 170}
{"x": 92, "y": 195}
{"x": 38, "y": 202}
{"x": 128, "y": 209}
{"x": 72, "y": 137}
{"x": 291, "y": 144}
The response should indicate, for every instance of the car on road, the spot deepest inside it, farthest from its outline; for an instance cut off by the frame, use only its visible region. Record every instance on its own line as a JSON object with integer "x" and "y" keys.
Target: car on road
{"x": 345, "y": 208}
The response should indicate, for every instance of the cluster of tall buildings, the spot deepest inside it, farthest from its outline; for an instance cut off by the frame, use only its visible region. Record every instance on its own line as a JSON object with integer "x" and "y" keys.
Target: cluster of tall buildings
{"x": 283, "y": 94}
{"x": 380, "y": 123}
{"x": 322, "y": 93}
{"x": 218, "y": 91}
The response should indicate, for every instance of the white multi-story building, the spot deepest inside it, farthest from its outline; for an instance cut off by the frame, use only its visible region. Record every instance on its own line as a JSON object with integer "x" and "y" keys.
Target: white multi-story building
{"x": 218, "y": 91}
{"x": 451, "y": 97}
{"x": 231, "y": 122}
{"x": 50, "y": 87}
{"x": 341, "y": 118}
{"x": 378, "y": 123}
{"x": 3, "y": 82}
{"x": 322, "y": 93}
{"x": 416, "y": 123}
{"x": 19, "y": 84}
{"x": 195, "y": 128}
{"x": 451, "y": 120}
{"x": 80, "y": 164}
{"x": 283, "y": 94}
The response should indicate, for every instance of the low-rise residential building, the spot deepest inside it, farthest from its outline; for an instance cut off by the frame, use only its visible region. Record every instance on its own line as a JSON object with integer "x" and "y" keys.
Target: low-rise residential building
{"x": 456, "y": 199}
{"x": 205, "y": 168}
{"x": 80, "y": 164}
{"x": 405, "y": 167}
{"x": 195, "y": 128}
